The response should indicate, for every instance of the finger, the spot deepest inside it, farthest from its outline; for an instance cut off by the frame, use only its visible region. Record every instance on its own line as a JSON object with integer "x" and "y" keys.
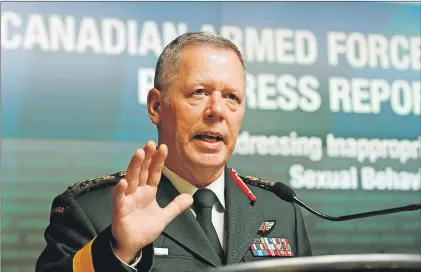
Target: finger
{"x": 133, "y": 170}
{"x": 156, "y": 165}
{"x": 119, "y": 196}
{"x": 177, "y": 206}
{"x": 150, "y": 150}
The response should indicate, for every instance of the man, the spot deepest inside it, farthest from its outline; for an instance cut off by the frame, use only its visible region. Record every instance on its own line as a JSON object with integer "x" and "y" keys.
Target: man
{"x": 178, "y": 206}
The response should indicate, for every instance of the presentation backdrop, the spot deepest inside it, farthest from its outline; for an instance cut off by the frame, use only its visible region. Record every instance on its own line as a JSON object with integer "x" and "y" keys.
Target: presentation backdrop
{"x": 333, "y": 108}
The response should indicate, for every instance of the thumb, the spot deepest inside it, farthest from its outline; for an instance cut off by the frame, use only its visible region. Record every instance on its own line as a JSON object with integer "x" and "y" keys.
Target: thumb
{"x": 177, "y": 206}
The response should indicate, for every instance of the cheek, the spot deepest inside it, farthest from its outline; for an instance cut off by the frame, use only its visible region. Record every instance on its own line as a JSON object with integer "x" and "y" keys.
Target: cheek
{"x": 186, "y": 121}
{"x": 235, "y": 124}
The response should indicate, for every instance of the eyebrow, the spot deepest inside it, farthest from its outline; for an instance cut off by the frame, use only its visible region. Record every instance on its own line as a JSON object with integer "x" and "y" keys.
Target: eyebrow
{"x": 209, "y": 83}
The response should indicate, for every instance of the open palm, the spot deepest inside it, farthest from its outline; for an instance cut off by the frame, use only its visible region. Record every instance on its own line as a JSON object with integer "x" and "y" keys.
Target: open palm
{"x": 137, "y": 218}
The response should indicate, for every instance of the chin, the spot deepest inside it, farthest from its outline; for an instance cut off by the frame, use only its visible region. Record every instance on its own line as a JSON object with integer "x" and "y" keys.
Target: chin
{"x": 210, "y": 160}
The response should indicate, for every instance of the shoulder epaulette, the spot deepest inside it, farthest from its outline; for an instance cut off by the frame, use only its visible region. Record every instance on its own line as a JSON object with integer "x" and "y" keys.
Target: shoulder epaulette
{"x": 82, "y": 187}
{"x": 262, "y": 183}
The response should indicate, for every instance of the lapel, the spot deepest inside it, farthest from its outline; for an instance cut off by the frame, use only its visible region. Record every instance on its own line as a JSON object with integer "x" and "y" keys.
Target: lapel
{"x": 185, "y": 229}
{"x": 243, "y": 221}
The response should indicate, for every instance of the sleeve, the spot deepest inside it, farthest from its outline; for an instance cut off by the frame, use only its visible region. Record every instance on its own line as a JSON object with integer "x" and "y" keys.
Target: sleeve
{"x": 74, "y": 245}
{"x": 302, "y": 240}
{"x": 134, "y": 263}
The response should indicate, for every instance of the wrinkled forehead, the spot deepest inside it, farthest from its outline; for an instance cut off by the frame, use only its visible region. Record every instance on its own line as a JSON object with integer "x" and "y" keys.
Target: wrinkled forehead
{"x": 203, "y": 53}
{"x": 214, "y": 66}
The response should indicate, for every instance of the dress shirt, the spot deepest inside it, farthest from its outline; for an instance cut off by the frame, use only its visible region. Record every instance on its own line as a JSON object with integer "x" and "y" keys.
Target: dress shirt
{"x": 218, "y": 210}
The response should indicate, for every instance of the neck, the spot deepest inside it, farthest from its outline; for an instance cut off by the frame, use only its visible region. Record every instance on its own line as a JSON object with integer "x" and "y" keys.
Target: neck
{"x": 198, "y": 176}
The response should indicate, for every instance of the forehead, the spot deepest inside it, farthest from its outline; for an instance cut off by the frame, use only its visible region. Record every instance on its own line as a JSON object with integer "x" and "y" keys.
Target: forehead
{"x": 201, "y": 63}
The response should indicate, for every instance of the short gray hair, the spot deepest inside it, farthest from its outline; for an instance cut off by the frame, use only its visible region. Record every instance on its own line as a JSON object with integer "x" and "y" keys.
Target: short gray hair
{"x": 168, "y": 60}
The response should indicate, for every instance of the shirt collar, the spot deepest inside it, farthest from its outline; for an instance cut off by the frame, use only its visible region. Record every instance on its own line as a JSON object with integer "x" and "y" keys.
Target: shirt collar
{"x": 183, "y": 186}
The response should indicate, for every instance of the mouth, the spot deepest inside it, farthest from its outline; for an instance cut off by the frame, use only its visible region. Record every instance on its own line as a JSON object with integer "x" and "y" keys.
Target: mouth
{"x": 209, "y": 136}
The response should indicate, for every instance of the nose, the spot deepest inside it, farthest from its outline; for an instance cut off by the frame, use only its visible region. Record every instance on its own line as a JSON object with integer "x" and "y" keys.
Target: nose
{"x": 216, "y": 107}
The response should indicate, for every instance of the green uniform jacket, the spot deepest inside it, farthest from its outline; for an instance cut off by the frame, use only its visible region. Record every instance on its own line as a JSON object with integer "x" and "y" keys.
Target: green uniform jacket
{"x": 78, "y": 236}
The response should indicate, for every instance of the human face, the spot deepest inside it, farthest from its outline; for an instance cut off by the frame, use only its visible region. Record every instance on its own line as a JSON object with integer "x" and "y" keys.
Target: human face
{"x": 202, "y": 120}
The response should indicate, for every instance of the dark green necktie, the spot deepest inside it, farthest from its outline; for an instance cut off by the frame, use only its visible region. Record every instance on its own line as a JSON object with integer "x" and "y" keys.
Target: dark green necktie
{"x": 203, "y": 203}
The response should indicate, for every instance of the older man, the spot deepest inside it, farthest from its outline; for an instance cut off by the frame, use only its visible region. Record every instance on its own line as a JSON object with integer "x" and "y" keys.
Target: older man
{"x": 178, "y": 206}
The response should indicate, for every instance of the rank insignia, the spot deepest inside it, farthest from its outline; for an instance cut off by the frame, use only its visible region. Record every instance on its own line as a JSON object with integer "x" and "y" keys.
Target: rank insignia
{"x": 271, "y": 247}
{"x": 58, "y": 210}
{"x": 266, "y": 227}
{"x": 81, "y": 187}
{"x": 103, "y": 178}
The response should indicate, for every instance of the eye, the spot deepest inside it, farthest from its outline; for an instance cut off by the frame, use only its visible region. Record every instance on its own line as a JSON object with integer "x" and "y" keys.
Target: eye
{"x": 199, "y": 92}
{"x": 233, "y": 97}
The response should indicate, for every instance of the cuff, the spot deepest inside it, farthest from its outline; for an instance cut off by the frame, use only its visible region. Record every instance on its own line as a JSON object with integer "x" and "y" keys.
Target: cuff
{"x": 133, "y": 263}
{"x": 104, "y": 259}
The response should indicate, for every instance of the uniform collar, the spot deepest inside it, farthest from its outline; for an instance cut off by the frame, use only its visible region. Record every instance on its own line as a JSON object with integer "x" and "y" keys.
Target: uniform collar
{"x": 183, "y": 186}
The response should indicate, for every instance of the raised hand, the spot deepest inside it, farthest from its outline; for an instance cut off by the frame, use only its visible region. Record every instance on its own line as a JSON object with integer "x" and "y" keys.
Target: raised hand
{"x": 137, "y": 218}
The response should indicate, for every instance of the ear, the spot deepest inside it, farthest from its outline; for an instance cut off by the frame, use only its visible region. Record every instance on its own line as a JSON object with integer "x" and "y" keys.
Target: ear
{"x": 154, "y": 105}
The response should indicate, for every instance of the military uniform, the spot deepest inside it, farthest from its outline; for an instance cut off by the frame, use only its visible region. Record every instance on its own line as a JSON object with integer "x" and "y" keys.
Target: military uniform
{"x": 260, "y": 226}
